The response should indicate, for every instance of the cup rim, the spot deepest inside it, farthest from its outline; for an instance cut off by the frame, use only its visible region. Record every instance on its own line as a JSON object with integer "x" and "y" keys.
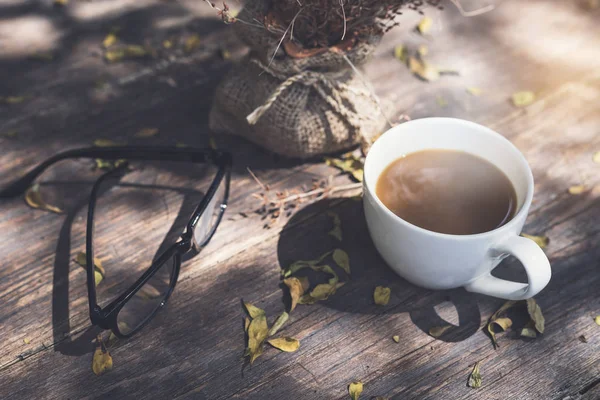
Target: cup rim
{"x": 521, "y": 214}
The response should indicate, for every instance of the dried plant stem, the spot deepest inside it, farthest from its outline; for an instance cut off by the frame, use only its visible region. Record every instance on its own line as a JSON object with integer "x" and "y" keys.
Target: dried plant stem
{"x": 318, "y": 192}
{"x": 262, "y": 186}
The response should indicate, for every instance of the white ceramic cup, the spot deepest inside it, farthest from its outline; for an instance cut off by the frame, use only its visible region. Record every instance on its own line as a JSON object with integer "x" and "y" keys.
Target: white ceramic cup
{"x": 441, "y": 261}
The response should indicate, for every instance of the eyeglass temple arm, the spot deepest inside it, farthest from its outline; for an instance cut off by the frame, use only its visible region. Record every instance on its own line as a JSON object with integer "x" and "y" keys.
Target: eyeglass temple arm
{"x": 19, "y": 186}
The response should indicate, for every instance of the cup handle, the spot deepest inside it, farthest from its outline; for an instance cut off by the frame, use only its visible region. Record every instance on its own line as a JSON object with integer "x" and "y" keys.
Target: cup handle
{"x": 536, "y": 265}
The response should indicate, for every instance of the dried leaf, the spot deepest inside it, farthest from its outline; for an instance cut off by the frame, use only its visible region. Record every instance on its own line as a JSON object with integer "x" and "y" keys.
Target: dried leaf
{"x": 596, "y": 157}
{"x": 167, "y": 44}
{"x": 299, "y": 265}
{"x": 109, "y": 40}
{"x": 422, "y": 50}
{"x": 105, "y": 143}
{"x": 253, "y": 311}
{"x": 289, "y": 345}
{"x": 342, "y": 260}
{"x": 597, "y": 320}
{"x": 279, "y": 322}
{"x": 12, "y": 99}
{"x": 225, "y": 54}
{"x": 425, "y": 25}
{"x": 523, "y": 99}
{"x": 102, "y": 361}
{"x": 129, "y": 51}
{"x": 396, "y": 338}
{"x": 257, "y": 333}
{"x": 583, "y": 339}
{"x": 323, "y": 291}
{"x": 529, "y": 330}
{"x": 504, "y": 323}
{"x": 382, "y": 295}
{"x": 26, "y": 340}
{"x": 475, "y": 377}
{"x": 246, "y": 324}
{"x": 146, "y": 133}
{"x": 336, "y": 232}
{"x": 355, "y": 389}
{"x": 192, "y": 43}
{"x": 541, "y": 241}
{"x": 34, "y": 199}
{"x": 400, "y": 53}
{"x": 535, "y": 312}
{"x": 474, "y": 91}
{"x": 423, "y": 69}
{"x": 296, "y": 290}
{"x": 99, "y": 271}
{"x": 438, "y": 331}
{"x": 352, "y": 166}
{"x": 577, "y": 189}
{"x": 505, "y": 306}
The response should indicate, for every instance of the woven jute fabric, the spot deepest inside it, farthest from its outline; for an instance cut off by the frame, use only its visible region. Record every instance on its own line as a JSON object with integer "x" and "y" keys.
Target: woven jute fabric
{"x": 298, "y": 108}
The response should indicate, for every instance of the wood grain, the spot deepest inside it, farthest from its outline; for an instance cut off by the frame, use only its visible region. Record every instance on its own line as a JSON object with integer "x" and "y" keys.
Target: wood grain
{"x": 194, "y": 349}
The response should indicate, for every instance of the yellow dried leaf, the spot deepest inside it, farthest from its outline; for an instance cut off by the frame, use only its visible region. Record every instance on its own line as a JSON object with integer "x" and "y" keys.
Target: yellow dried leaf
{"x": 253, "y": 311}
{"x": 146, "y": 133}
{"x": 475, "y": 377}
{"x": 323, "y": 291}
{"x": 257, "y": 333}
{"x": 342, "y": 260}
{"x": 352, "y": 166}
{"x": 423, "y": 69}
{"x": 279, "y": 322}
{"x": 504, "y": 323}
{"x": 114, "y": 55}
{"x": 597, "y": 320}
{"x": 577, "y": 189}
{"x": 102, "y": 361}
{"x": 289, "y": 345}
{"x": 438, "y": 331}
{"x": 225, "y": 54}
{"x": 596, "y": 157}
{"x": 523, "y": 99}
{"x": 109, "y": 40}
{"x": 26, "y": 340}
{"x": 167, "y": 44}
{"x": 296, "y": 290}
{"x": 474, "y": 91}
{"x": 246, "y": 324}
{"x": 355, "y": 389}
{"x": 425, "y": 25}
{"x": 129, "y": 51}
{"x": 396, "y": 338}
{"x": 382, "y": 295}
{"x": 336, "y": 231}
{"x": 400, "y": 53}
{"x": 34, "y": 199}
{"x": 535, "y": 312}
{"x": 541, "y": 241}
{"x": 192, "y": 43}
{"x": 529, "y": 330}
{"x": 423, "y": 50}
{"x": 12, "y": 99}
{"x": 299, "y": 265}
{"x": 81, "y": 259}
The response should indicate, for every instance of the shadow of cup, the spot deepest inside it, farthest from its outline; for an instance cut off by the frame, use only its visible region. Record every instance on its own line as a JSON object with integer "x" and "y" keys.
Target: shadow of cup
{"x": 306, "y": 237}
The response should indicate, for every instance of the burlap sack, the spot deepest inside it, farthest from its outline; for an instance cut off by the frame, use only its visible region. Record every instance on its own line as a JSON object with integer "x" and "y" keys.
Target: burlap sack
{"x": 296, "y": 107}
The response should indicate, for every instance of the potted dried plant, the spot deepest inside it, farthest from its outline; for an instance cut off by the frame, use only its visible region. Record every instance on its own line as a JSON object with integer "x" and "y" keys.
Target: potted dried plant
{"x": 299, "y": 92}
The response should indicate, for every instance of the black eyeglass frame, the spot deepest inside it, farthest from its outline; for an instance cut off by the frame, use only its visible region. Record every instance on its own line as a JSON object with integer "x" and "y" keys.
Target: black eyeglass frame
{"x": 106, "y": 318}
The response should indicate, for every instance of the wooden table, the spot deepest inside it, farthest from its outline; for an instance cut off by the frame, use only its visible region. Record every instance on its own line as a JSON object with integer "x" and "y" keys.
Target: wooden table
{"x": 194, "y": 348}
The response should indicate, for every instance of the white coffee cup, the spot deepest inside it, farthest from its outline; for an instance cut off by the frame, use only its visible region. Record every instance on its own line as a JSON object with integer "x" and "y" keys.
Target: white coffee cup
{"x": 441, "y": 261}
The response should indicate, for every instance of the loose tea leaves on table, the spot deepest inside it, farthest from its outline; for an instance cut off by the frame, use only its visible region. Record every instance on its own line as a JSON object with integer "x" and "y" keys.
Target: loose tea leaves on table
{"x": 542, "y": 241}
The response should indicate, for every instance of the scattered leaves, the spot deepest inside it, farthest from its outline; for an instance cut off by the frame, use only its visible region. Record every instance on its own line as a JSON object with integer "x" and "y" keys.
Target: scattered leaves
{"x": 541, "y": 241}
{"x": 279, "y": 322}
{"x": 336, "y": 231}
{"x": 99, "y": 271}
{"x": 535, "y": 313}
{"x": 34, "y": 199}
{"x": 26, "y": 340}
{"x": 296, "y": 290}
{"x": 474, "y": 91}
{"x": 109, "y": 40}
{"x": 523, "y": 99}
{"x": 529, "y": 330}
{"x": 422, "y": 50}
{"x": 502, "y": 322}
{"x": 475, "y": 377}
{"x": 382, "y": 295}
{"x": 253, "y": 311}
{"x": 342, "y": 260}
{"x": 351, "y": 165}
{"x": 102, "y": 361}
{"x": 423, "y": 69}
{"x": 597, "y": 320}
{"x": 146, "y": 133}
{"x": 289, "y": 345}
{"x": 191, "y": 43}
{"x": 577, "y": 189}
{"x": 396, "y": 338}
{"x": 298, "y": 265}
{"x": 355, "y": 389}
{"x": 596, "y": 157}
{"x": 400, "y": 53}
{"x": 129, "y": 51}
{"x": 438, "y": 331}
{"x": 583, "y": 339}
{"x": 257, "y": 331}
{"x": 425, "y": 25}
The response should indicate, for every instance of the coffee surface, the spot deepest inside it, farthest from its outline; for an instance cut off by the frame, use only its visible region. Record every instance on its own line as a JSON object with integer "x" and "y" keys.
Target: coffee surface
{"x": 448, "y": 191}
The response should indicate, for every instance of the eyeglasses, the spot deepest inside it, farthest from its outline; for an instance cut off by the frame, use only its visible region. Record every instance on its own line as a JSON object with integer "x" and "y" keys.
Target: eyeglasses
{"x": 132, "y": 310}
